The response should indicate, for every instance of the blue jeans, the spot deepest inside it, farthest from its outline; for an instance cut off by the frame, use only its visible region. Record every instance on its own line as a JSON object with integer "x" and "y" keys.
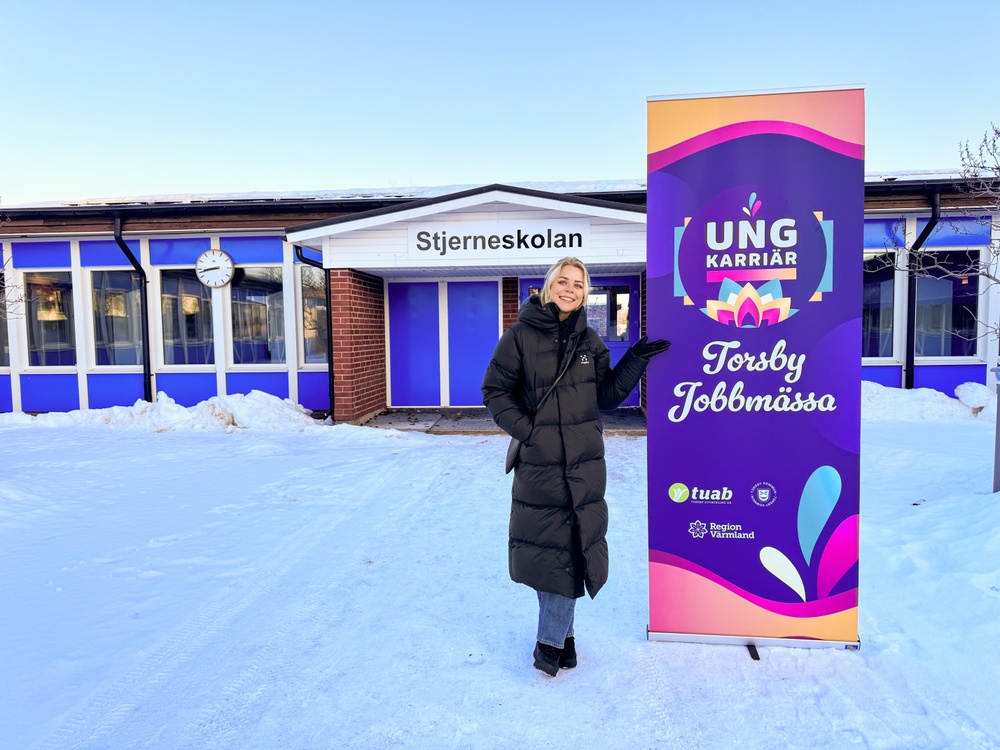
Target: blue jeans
{"x": 555, "y": 618}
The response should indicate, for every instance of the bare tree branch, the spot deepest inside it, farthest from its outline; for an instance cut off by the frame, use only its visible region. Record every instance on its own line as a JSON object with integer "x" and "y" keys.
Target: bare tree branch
{"x": 981, "y": 176}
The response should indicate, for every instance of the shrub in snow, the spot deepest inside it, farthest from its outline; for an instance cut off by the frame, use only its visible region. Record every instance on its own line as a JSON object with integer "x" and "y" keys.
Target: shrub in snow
{"x": 974, "y": 395}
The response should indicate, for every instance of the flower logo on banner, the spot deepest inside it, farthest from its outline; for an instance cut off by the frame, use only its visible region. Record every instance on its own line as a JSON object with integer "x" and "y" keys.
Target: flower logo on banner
{"x": 755, "y": 266}
{"x": 819, "y": 498}
{"x": 747, "y": 307}
{"x": 698, "y": 529}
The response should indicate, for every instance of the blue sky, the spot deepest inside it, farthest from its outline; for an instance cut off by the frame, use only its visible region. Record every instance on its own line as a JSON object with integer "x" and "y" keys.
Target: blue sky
{"x": 110, "y": 98}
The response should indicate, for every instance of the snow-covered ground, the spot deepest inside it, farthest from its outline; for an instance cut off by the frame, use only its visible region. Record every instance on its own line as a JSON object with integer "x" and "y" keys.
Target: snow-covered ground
{"x": 236, "y": 576}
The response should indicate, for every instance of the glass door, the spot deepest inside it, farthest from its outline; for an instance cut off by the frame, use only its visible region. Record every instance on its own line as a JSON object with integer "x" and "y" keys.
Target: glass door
{"x": 612, "y": 311}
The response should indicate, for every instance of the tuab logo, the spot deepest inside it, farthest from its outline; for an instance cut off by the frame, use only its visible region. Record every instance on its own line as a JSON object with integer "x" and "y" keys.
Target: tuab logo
{"x": 681, "y": 493}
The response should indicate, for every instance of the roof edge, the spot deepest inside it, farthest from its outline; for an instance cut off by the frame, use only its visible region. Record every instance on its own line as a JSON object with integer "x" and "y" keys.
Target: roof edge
{"x": 575, "y": 199}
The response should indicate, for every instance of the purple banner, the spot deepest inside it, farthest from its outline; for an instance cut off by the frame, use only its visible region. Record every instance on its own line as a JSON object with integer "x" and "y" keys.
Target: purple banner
{"x": 754, "y": 273}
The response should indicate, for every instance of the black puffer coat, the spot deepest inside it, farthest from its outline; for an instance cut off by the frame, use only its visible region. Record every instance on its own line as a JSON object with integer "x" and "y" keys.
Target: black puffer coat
{"x": 558, "y": 516}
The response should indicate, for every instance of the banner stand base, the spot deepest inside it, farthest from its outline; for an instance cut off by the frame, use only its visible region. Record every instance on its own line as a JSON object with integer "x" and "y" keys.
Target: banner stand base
{"x": 746, "y": 640}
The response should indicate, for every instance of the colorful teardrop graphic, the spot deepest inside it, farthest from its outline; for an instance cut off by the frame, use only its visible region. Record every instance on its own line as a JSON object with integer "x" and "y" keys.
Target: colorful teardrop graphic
{"x": 819, "y": 497}
{"x": 839, "y": 556}
{"x": 782, "y": 568}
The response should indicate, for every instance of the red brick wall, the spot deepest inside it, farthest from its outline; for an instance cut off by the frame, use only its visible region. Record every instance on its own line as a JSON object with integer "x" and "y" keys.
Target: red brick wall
{"x": 357, "y": 320}
{"x": 509, "y": 292}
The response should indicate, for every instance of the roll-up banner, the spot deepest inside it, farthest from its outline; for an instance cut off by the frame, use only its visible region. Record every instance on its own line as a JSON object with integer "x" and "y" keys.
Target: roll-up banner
{"x": 754, "y": 271}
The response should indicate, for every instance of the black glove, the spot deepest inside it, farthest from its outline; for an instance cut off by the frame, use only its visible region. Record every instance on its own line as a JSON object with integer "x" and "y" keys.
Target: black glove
{"x": 649, "y": 349}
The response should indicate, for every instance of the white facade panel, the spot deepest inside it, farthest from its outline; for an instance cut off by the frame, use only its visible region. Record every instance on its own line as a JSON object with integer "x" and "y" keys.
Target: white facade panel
{"x": 388, "y": 248}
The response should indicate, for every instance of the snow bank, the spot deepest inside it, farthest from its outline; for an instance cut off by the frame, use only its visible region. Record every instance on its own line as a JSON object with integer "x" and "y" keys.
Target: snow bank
{"x": 882, "y": 404}
{"x": 261, "y": 411}
{"x": 255, "y": 410}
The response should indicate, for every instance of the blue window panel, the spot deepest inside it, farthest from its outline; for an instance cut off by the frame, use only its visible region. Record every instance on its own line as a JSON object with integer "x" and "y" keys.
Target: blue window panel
{"x": 884, "y": 233}
{"x": 414, "y": 345}
{"x": 49, "y": 393}
{"x": 118, "y": 389}
{"x": 41, "y": 254}
{"x": 275, "y": 383}
{"x": 314, "y": 390}
{"x": 6, "y": 394}
{"x": 253, "y": 249}
{"x": 184, "y": 251}
{"x": 473, "y": 329}
{"x": 890, "y": 376}
{"x": 946, "y": 378}
{"x": 187, "y": 388}
{"x": 959, "y": 231}
{"x": 106, "y": 253}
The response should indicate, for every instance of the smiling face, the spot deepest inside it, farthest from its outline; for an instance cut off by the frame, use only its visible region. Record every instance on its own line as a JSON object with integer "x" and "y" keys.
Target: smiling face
{"x": 567, "y": 290}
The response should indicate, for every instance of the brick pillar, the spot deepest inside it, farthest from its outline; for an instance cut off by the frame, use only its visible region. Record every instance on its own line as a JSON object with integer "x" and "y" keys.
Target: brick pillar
{"x": 357, "y": 321}
{"x": 510, "y": 306}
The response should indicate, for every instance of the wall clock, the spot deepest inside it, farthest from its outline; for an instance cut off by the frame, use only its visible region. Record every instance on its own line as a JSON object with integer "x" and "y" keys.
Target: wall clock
{"x": 214, "y": 268}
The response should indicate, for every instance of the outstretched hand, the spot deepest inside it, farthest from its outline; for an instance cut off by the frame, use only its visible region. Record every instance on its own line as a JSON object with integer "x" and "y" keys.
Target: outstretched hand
{"x": 649, "y": 349}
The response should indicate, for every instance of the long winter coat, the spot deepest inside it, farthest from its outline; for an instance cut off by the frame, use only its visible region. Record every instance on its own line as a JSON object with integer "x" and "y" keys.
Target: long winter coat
{"x": 558, "y": 516}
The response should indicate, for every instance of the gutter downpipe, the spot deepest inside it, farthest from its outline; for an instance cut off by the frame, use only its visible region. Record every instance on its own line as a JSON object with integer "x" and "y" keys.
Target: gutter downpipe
{"x": 329, "y": 326}
{"x": 147, "y": 372}
{"x": 911, "y": 291}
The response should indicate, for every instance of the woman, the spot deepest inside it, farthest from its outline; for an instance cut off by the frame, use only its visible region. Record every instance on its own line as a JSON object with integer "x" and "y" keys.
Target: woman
{"x": 558, "y": 516}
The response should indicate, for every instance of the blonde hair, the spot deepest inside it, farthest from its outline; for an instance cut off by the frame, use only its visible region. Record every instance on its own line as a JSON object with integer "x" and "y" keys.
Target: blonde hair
{"x": 553, "y": 273}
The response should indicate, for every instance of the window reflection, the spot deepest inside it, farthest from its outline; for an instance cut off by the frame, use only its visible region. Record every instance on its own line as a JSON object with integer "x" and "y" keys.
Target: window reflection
{"x": 877, "y": 305}
{"x": 258, "y": 312}
{"x": 607, "y": 310}
{"x": 4, "y": 338}
{"x": 117, "y": 318}
{"x": 186, "y": 305}
{"x": 51, "y": 338}
{"x": 315, "y": 318}
{"x": 597, "y": 312}
{"x": 947, "y": 304}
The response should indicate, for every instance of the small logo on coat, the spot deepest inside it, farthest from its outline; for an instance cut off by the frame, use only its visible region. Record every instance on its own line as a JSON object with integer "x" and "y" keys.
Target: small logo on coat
{"x": 584, "y": 360}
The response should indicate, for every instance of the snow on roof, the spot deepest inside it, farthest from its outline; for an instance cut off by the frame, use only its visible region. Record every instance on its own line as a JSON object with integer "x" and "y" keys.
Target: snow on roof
{"x": 595, "y": 186}
{"x": 389, "y": 193}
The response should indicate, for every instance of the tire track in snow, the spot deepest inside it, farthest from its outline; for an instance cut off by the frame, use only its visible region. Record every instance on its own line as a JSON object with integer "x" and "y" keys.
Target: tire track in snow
{"x": 325, "y": 623}
{"x": 123, "y": 699}
{"x": 224, "y": 723}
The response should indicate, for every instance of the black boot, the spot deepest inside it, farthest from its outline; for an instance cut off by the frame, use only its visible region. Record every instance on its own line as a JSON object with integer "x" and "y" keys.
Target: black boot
{"x": 567, "y": 659}
{"x": 547, "y": 658}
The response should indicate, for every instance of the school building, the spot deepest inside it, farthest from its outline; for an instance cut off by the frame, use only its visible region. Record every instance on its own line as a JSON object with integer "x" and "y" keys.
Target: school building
{"x": 375, "y": 300}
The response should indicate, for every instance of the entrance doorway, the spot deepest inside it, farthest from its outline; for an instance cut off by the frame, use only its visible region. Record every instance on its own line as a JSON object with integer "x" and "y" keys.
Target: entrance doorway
{"x": 441, "y": 337}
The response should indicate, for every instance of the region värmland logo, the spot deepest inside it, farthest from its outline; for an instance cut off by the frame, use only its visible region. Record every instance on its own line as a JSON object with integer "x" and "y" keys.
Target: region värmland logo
{"x": 749, "y": 265}
{"x": 698, "y": 529}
